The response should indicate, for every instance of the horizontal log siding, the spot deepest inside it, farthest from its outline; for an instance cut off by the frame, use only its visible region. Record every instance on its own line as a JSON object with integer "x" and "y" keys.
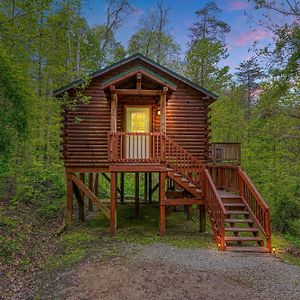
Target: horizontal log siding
{"x": 187, "y": 121}
{"x": 84, "y": 143}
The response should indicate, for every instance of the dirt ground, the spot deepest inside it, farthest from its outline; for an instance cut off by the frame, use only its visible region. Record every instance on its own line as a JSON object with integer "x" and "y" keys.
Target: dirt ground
{"x": 165, "y": 272}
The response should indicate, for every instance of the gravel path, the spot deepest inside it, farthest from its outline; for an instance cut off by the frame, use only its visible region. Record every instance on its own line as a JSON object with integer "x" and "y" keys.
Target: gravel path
{"x": 266, "y": 276}
{"x": 163, "y": 272}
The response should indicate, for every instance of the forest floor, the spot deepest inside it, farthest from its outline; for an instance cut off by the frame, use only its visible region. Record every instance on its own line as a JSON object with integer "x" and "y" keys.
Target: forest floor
{"x": 85, "y": 263}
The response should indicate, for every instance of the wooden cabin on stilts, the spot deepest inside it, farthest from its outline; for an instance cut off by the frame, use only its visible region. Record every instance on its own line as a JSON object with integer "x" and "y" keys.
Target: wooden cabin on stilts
{"x": 143, "y": 118}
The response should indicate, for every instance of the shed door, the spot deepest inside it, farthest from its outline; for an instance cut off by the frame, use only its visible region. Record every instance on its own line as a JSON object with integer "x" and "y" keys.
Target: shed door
{"x": 137, "y": 123}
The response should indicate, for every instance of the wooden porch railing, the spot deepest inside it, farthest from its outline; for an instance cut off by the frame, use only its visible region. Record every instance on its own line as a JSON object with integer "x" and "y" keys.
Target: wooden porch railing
{"x": 182, "y": 161}
{"x": 124, "y": 147}
{"x": 128, "y": 147}
{"x": 233, "y": 178}
{"x": 216, "y": 209}
{"x": 229, "y": 153}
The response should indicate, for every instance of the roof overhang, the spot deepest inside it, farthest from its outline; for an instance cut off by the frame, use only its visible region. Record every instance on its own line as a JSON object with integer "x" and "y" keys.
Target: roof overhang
{"x": 197, "y": 87}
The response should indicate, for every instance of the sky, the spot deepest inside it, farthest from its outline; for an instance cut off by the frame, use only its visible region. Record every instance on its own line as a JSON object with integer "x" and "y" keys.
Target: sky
{"x": 182, "y": 16}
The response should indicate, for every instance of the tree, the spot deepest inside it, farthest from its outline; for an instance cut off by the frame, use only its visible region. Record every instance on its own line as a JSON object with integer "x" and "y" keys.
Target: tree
{"x": 115, "y": 13}
{"x": 207, "y": 49}
{"x": 209, "y": 25}
{"x": 14, "y": 107}
{"x": 202, "y": 67}
{"x": 249, "y": 72}
{"x": 153, "y": 39}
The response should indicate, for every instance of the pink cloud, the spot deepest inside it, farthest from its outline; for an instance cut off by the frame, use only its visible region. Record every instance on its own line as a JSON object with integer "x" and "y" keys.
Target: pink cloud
{"x": 251, "y": 36}
{"x": 237, "y": 5}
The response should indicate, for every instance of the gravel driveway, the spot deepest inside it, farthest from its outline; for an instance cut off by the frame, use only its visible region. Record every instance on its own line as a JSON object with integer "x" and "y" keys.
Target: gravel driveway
{"x": 164, "y": 272}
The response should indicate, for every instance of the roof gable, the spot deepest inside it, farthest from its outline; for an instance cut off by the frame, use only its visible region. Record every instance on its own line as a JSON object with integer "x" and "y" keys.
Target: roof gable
{"x": 147, "y": 61}
{"x": 132, "y": 71}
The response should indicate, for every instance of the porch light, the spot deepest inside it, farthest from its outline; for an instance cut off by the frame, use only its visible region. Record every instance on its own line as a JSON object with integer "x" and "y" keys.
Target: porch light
{"x": 273, "y": 250}
{"x": 158, "y": 112}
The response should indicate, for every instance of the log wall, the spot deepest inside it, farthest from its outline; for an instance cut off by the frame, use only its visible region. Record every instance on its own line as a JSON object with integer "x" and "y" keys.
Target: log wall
{"x": 84, "y": 131}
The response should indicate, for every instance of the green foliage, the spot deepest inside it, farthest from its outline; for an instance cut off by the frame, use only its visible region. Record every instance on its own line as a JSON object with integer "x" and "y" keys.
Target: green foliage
{"x": 7, "y": 248}
{"x": 41, "y": 188}
{"x": 14, "y": 105}
{"x": 202, "y": 61}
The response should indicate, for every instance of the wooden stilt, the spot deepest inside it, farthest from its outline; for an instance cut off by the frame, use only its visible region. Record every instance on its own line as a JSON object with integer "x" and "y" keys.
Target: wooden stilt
{"x": 162, "y": 207}
{"x": 122, "y": 187}
{"x": 113, "y": 203}
{"x": 202, "y": 218}
{"x": 150, "y": 188}
{"x": 189, "y": 212}
{"x": 69, "y": 204}
{"x": 137, "y": 194}
{"x": 92, "y": 189}
{"x": 146, "y": 187}
{"x": 96, "y": 185}
{"x": 81, "y": 177}
{"x": 78, "y": 195}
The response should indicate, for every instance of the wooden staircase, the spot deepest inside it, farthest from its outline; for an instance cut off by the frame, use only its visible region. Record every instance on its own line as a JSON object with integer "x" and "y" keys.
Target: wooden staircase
{"x": 241, "y": 232}
{"x": 184, "y": 183}
{"x": 239, "y": 216}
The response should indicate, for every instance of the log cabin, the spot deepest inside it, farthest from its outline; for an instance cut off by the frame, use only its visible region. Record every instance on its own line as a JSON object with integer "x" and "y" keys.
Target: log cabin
{"x": 141, "y": 117}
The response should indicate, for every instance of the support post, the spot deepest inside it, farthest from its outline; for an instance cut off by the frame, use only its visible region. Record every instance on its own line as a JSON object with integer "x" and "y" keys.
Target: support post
{"x": 162, "y": 207}
{"x": 137, "y": 194}
{"x": 163, "y": 120}
{"x": 81, "y": 177}
{"x": 189, "y": 212}
{"x": 97, "y": 185}
{"x": 150, "y": 188}
{"x": 80, "y": 201}
{"x": 69, "y": 204}
{"x": 113, "y": 109}
{"x": 122, "y": 187}
{"x": 113, "y": 203}
{"x": 202, "y": 218}
{"x": 145, "y": 187}
{"x": 91, "y": 175}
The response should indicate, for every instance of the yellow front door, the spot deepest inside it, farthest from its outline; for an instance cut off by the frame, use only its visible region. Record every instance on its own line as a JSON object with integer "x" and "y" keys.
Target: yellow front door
{"x": 137, "y": 121}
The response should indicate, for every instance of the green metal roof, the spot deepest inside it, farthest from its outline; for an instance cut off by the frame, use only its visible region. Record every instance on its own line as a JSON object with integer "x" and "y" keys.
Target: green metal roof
{"x": 131, "y": 58}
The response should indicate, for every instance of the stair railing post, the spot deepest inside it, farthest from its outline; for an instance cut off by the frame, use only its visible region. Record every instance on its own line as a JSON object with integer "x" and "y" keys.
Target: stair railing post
{"x": 268, "y": 229}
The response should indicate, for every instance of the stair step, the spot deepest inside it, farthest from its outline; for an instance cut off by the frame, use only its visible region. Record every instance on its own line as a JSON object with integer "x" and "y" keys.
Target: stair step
{"x": 237, "y": 212}
{"x": 191, "y": 185}
{"x": 198, "y": 190}
{"x": 234, "y": 204}
{"x": 227, "y": 195}
{"x": 177, "y": 175}
{"x": 241, "y": 229}
{"x": 243, "y": 238}
{"x": 239, "y": 221}
{"x": 247, "y": 249}
{"x": 184, "y": 179}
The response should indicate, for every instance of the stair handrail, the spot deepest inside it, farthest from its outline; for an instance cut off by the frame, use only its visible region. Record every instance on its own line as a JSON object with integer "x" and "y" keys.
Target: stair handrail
{"x": 258, "y": 208}
{"x": 183, "y": 162}
{"x": 216, "y": 209}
